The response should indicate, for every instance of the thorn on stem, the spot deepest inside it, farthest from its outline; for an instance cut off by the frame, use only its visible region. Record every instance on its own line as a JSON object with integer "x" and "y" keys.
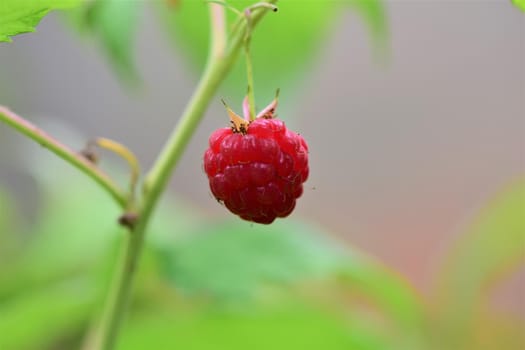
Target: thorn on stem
{"x": 128, "y": 220}
{"x": 90, "y": 153}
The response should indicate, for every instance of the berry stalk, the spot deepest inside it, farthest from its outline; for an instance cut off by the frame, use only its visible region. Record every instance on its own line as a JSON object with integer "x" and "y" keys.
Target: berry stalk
{"x": 249, "y": 68}
{"x": 248, "y": 58}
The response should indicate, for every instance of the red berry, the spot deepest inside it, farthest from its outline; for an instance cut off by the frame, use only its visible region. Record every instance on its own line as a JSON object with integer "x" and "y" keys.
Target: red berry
{"x": 257, "y": 173}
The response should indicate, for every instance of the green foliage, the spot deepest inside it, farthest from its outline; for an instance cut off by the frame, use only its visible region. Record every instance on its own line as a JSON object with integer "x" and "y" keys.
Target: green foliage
{"x": 272, "y": 50}
{"x": 37, "y": 317}
{"x": 374, "y": 15}
{"x": 491, "y": 248}
{"x": 390, "y": 293}
{"x": 292, "y": 325}
{"x": 247, "y": 275}
{"x": 73, "y": 228}
{"x": 235, "y": 259}
{"x": 519, "y": 4}
{"x": 232, "y": 285}
{"x": 22, "y": 16}
{"x": 8, "y": 243}
{"x": 493, "y": 245}
{"x": 113, "y": 24}
{"x": 51, "y": 290}
{"x": 284, "y": 45}
{"x": 229, "y": 285}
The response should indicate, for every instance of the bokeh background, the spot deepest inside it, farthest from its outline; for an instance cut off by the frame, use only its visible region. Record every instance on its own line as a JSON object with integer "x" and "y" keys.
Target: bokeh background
{"x": 407, "y": 145}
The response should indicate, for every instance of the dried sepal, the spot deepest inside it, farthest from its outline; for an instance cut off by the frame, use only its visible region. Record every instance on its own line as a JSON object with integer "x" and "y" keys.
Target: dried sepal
{"x": 239, "y": 124}
{"x": 268, "y": 112}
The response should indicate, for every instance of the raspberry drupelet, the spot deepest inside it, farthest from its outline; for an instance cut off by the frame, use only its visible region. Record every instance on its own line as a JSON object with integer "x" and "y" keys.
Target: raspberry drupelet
{"x": 257, "y": 169}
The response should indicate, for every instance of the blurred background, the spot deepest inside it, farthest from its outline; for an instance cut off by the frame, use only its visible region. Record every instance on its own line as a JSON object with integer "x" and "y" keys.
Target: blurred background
{"x": 411, "y": 132}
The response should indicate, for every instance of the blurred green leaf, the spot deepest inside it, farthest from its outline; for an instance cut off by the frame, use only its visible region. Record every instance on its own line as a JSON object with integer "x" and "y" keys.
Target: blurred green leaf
{"x": 19, "y": 20}
{"x": 38, "y": 316}
{"x": 22, "y": 16}
{"x": 9, "y": 235}
{"x": 64, "y": 271}
{"x": 374, "y": 15}
{"x": 492, "y": 246}
{"x": 113, "y": 24}
{"x": 76, "y": 226}
{"x": 391, "y": 294}
{"x": 7, "y": 228}
{"x": 284, "y": 44}
{"x": 291, "y": 325}
{"x": 519, "y": 4}
{"x": 235, "y": 260}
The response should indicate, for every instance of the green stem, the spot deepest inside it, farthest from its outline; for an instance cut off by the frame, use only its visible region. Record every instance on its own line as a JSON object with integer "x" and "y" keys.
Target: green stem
{"x": 248, "y": 58}
{"x": 220, "y": 61}
{"x": 64, "y": 152}
{"x": 128, "y": 156}
{"x": 249, "y": 68}
{"x": 249, "y": 76}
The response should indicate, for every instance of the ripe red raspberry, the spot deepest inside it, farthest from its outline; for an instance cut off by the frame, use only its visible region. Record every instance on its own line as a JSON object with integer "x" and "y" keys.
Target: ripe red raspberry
{"x": 257, "y": 169}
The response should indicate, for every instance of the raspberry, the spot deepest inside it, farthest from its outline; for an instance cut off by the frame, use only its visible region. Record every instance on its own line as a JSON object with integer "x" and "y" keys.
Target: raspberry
{"x": 257, "y": 170}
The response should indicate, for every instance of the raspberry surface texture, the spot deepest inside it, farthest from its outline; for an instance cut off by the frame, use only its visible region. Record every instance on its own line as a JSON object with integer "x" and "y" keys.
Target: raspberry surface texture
{"x": 258, "y": 173}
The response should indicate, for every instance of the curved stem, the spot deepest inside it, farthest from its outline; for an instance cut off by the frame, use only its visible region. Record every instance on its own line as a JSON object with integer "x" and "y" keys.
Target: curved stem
{"x": 130, "y": 158}
{"x": 249, "y": 76}
{"x": 64, "y": 152}
{"x": 220, "y": 61}
{"x": 248, "y": 58}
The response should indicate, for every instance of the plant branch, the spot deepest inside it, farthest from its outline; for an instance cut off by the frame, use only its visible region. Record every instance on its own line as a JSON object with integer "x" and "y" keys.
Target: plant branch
{"x": 74, "y": 158}
{"x": 249, "y": 68}
{"x": 130, "y": 158}
{"x": 221, "y": 59}
{"x": 217, "y": 30}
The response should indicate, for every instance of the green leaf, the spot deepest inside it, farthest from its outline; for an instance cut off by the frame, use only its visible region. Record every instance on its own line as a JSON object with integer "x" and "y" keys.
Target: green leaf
{"x": 113, "y": 24}
{"x": 284, "y": 44}
{"x": 519, "y": 4}
{"x": 290, "y": 324}
{"x": 22, "y": 16}
{"x": 490, "y": 249}
{"x": 238, "y": 262}
{"x": 39, "y": 316}
{"x": 234, "y": 260}
{"x": 390, "y": 293}
{"x": 6, "y": 213}
{"x": 75, "y": 227}
{"x": 9, "y": 238}
{"x": 373, "y": 13}
{"x": 48, "y": 288}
